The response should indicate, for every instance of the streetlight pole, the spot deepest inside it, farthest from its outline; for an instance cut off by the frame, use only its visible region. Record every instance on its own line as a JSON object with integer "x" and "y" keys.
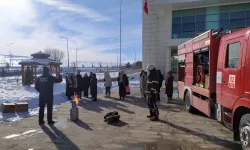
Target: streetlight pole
{"x": 120, "y": 34}
{"x": 9, "y": 52}
{"x": 67, "y": 49}
{"x": 135, "y": 54}
{"x": 76, "y": 52}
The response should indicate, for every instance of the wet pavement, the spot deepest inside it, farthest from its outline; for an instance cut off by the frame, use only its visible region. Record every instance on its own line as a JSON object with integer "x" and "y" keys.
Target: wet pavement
{"x": 176, "y": 130}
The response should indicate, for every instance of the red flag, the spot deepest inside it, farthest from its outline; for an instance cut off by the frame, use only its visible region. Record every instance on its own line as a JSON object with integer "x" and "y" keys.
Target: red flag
{"x": 145, "y": 6}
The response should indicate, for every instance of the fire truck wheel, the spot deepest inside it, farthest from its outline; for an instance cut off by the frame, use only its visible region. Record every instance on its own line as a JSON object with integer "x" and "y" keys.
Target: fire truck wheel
{"x": 189, "y": 108}
{"x": 244, "y": 131}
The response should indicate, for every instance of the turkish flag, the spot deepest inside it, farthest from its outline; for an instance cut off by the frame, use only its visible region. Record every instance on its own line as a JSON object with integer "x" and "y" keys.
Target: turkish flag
{"x": 145, "y": 7}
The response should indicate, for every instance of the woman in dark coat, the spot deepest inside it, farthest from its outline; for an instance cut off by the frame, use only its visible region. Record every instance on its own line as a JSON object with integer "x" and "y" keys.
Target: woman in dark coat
{"x": 79, "y": 85}
{"x": 90, "y": 77}
{"x": 86, "y": 83}
{"x": 69, "y": 86}
{"x": 93, "y": 87}
{"x": 169, "y": 85}
{"x": 122, "y": 83}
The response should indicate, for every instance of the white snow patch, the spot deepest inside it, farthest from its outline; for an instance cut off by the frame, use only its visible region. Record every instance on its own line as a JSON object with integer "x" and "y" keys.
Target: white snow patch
{"x": 11, "y": 136}
{"x": 22, "y": 135}
{"x": 12, "y": 92}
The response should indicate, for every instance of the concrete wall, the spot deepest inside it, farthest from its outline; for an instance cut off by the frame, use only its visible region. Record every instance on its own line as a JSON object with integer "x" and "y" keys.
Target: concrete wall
{"x": 156, "y": 35}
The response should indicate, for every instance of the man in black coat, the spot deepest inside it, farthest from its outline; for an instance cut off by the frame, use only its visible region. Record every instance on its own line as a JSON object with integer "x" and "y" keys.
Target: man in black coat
{"x": 44, "y": 85}
{"x": 79, "y": 84}
{"x": 86, "y": 83}
{"x": 93, "y": 87}
{"x": 161, "y": 78}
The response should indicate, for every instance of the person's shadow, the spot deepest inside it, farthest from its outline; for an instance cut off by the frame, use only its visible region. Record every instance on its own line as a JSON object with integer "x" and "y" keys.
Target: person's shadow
{"x": 82, "y": 124}
{"x": 61, "y": 141}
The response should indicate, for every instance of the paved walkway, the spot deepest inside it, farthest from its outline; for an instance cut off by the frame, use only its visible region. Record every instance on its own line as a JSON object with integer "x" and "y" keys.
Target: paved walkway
{"x": 176, "y": 130}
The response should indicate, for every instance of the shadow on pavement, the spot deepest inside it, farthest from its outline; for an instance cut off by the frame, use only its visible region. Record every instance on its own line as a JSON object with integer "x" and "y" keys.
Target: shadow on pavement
{"x": 100, "y": 103}
{"x": 60, "y": 140}
{"x": 82, "y": 124}
{"x": 176, "y": 102}
{"x": 119, "y": 123}
{"x": 133, "y": 100}
{"x": 218, "y": 141}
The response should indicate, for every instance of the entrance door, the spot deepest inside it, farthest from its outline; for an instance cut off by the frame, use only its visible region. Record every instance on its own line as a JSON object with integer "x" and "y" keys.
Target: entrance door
{"x": 231, "y": 72}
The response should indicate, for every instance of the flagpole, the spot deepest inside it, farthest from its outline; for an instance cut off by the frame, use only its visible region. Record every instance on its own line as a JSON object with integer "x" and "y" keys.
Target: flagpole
{"x": 120, "y": 34}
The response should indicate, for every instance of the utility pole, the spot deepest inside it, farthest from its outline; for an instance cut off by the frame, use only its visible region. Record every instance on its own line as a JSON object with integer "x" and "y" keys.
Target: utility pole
{"x": 121, "y": 34}
{"x": 76, "y": 52}
{"x": 135, "y": 54}
{"x": 67, "y": 49}
{"x": 117, "y": 60}
{"x": 10, "y": 53}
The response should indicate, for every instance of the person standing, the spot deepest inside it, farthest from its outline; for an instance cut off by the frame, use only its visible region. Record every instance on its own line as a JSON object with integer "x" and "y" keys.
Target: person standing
{"x": 122, "y": 83}
{"x": 75, "y": 85}
{"x": 152, "y": 92}
{"x": 93, "y": 87}
{"x": 86, "y": 83}
{"x": 169, "y": 85}
{"x": 79, "y": 85}
{"x": 107, "y": 83}
{"x": 44, "y": 85}
{"x": 161, "y": 78}
{"x": 90, "y": 77}
{"x": 143, "y": 83}
{"x": 69, "y": 86}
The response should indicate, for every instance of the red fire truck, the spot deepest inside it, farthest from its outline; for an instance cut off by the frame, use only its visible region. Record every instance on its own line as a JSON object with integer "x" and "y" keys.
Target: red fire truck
{"x": 214, "y": 78}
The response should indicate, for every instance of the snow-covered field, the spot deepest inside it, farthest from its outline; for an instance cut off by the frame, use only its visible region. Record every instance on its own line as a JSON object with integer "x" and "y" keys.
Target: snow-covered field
{"x": 11, "y": 91}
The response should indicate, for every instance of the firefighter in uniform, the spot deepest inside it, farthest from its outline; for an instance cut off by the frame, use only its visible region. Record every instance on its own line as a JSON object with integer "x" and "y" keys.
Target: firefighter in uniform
{"x": 44, "y": 85}
{"x": 152, "y": 91}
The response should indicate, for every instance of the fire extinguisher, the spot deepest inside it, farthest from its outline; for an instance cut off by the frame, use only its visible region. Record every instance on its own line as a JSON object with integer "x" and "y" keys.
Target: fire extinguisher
{"x": 199, "y": 74}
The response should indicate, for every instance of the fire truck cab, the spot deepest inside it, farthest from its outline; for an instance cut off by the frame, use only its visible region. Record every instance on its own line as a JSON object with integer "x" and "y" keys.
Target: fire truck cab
{"x": 214, "y": 78}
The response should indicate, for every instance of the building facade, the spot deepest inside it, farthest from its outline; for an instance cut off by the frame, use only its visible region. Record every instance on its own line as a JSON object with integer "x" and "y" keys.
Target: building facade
{"x": 170, "y": 23}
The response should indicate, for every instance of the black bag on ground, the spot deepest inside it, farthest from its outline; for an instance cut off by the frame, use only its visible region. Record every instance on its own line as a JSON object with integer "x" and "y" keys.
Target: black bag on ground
{"x": 112, "y": 117}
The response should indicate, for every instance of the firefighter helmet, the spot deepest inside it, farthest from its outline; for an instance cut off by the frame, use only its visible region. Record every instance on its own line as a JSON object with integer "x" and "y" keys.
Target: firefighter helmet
{"x": 150, "y": 67}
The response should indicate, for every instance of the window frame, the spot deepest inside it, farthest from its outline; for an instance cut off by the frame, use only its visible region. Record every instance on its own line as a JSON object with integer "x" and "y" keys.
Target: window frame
{"x": 226, "y": 64}
{"x": 226, "y": 17}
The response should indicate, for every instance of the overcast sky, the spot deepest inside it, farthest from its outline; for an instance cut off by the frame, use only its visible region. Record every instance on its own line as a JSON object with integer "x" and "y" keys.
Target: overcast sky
{"x": 33, "y": 25}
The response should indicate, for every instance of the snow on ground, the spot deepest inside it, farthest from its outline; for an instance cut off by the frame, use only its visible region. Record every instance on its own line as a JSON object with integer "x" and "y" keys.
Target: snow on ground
{"x": 10, "y": 91}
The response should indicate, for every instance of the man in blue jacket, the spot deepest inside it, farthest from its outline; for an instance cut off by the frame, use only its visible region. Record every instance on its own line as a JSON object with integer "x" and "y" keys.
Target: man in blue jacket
{"x": 44, "y": 85}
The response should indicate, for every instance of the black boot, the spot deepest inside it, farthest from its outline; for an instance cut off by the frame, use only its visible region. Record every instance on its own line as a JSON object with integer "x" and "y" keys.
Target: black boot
{"x": 154, "y": 118}
{"x": 51, "y": 122}
{"x": 41, "y": 122}
{"x": 149, "y": 116}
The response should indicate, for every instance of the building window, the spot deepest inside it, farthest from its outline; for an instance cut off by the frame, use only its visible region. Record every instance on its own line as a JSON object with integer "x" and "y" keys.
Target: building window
{"x": 233, "y": 53}
{"x": 191, "y": 22}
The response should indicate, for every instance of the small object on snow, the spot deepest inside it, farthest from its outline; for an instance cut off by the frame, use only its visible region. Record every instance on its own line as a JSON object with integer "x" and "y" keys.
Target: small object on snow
{"x": 8, "y": 107}
{"x": 15, "y": 107}
{"x": 112, "y": 117}
{"x": 74, "y": 113}
{"x": 22, "y": 107}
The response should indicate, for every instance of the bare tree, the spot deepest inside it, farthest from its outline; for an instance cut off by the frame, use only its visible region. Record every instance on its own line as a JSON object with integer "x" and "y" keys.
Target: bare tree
{"x": 55, "y": 54}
